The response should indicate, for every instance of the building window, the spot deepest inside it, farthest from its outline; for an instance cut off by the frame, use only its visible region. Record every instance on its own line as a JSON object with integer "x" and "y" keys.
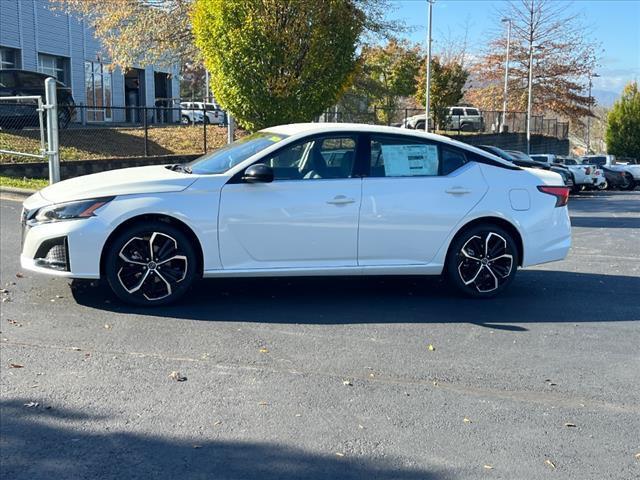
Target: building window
{"x": 97, "y": 80}
{"x": 57, "y": 67}
{"x": 9, "y": 58}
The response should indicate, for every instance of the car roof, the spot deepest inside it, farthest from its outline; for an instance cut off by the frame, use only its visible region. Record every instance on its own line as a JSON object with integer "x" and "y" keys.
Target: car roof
{"x": 303, "y": 129}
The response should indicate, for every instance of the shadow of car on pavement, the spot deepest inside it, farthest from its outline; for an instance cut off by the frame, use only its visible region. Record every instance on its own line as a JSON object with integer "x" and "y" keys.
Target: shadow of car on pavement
{"x": 535, "y": 296}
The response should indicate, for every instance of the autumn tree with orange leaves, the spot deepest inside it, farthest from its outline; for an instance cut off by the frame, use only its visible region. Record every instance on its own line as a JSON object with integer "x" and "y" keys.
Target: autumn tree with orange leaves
{"x": 563, "y": 58}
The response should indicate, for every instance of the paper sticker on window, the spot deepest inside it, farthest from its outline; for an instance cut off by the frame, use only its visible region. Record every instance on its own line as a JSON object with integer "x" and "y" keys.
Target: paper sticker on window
{"x": 410, "y": 160}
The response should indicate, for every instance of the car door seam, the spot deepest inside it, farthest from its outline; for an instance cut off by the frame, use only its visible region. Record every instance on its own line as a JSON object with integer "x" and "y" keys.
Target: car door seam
{"x": 358, "y": 223}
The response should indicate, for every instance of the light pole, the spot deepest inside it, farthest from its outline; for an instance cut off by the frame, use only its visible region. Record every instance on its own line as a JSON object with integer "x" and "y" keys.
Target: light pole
{"x": 591, "y": 76}
{"x": 506, "y": 74}
{"x": 427, "y": 99}
{"x": 531, "y": 47}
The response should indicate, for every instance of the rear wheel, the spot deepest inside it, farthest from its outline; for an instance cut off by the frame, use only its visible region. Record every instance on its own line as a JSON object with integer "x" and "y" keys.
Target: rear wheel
{"x": 628, "y": 183}
{"x": 185, "y": 120}
{"x": 482, "y": 261}
{"x": 150, "y": 264}
{"x": 603, "y": 185}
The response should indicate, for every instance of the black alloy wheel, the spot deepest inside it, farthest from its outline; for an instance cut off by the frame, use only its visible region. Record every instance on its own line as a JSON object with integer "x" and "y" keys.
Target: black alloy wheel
{"x": 482, "y": 261}
{"x": 151, "y": 264}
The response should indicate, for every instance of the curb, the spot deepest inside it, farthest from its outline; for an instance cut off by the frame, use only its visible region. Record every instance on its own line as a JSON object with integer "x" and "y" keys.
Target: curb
{"x": 23, "y": 192}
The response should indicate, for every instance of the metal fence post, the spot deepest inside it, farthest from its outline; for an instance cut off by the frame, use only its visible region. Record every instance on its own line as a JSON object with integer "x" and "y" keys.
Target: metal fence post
{"x": 204, "y": 123}
{"x": 146, "y": 133}
{"x": 231, "y": 126}
{"x": 52, "y": 130}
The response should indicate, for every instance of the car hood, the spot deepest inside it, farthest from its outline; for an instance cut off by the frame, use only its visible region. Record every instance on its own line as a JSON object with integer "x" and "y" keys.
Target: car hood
{"x": 125, "y": 181}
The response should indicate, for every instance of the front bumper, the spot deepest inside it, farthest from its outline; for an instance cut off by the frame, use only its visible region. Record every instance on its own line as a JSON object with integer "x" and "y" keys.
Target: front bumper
{"x": 69, "y": 249}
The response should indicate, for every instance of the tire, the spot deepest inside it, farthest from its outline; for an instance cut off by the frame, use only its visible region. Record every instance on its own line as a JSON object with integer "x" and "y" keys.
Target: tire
{"x": 576, "y": 189}
{"x": 184, "y": 120}
{"x": 419, "y": 125}
{"x": 629, "y": 183}
{"x": 602, "y": 186}
{"x": 467, "y": 127}
{"x": 476, "y": 272}
{"x": 137, "y": 277}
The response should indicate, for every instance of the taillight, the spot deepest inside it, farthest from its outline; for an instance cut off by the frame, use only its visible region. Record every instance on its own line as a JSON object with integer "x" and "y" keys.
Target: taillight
{"x": 587, "y": 170}
{"x": 597, "y": 173}
{"x": 561, "y": 194}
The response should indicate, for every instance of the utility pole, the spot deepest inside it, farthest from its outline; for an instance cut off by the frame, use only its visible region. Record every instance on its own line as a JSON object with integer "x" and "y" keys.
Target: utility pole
{"x": 206, "y": 84}
{"x": 591, "y": 76}
{"x": 506, "y": 75}
{"x": 427, "y": 99}
{"x": 529, "y": 98}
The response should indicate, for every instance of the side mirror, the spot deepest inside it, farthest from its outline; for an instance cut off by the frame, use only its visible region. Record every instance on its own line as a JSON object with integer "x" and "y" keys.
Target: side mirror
{"x": 258, "y": 173}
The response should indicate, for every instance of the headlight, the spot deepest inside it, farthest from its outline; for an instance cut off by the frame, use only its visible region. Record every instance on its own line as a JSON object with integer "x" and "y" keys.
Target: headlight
{"x": 70, "y": 210}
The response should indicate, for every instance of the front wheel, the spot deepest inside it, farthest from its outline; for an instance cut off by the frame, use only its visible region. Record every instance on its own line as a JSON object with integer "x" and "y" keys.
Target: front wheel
{"x": 482, "y": 261}
{"x": 151, "y": 264}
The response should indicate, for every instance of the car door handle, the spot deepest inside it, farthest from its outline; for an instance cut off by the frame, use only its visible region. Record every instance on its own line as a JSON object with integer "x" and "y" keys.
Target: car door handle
{"x": 340, "y": 200}
{"x": 457, "y": 191}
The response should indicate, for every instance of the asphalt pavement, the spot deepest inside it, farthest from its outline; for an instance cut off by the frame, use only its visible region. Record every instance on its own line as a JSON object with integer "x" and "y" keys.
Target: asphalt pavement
{"x": 331, "y": 378}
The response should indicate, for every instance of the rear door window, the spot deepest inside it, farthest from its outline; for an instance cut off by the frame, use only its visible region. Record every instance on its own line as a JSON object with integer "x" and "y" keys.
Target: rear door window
{"x": 403, "y": 157}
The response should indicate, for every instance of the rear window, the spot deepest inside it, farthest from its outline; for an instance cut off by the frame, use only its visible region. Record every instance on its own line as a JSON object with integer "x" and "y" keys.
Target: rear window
{"x": 473, "y": 111}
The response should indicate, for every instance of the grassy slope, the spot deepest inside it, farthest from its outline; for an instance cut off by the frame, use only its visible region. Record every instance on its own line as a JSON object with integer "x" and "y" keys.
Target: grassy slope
{"x": 29, "y": 183}
{"x": 109, "y": 142}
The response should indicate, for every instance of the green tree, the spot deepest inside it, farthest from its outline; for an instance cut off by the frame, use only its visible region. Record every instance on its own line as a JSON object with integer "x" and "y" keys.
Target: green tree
{"x": 276, "y": 61}
{"x": 623, "y": 124}
{"x": 384, "y": 75}
{"x": 446, "y": 89}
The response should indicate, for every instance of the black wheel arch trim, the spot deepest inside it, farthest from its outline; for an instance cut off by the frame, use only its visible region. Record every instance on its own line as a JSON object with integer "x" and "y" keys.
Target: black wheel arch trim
{"x": 170, "y": 220}
{"x": 497, "y": 221}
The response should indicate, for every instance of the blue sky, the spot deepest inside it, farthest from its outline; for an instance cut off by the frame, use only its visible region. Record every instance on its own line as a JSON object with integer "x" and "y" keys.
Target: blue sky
{"x": 613, "y": 23}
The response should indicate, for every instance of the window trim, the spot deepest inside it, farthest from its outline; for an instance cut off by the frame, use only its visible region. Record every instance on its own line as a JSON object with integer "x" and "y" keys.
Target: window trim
{"x": 358, "y": 163}
{"x": 65, "y": 69}
{"x": 17, "y": 57}
{"x": 410, "y": 138}
{"x": 105, "y": 110}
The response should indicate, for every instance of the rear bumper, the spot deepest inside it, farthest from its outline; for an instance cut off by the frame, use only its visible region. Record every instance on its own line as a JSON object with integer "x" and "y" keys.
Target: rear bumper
{"x": 550, "y": 241}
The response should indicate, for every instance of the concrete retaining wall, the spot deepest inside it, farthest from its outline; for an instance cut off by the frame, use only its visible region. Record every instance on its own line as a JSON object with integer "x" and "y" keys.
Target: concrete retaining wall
{"x": 518, "y": 141}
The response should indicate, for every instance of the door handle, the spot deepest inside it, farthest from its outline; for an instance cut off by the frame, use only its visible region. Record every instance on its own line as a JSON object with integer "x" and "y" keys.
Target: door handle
{"x": 457, "y": 191}
{"x": 340, "y": 200}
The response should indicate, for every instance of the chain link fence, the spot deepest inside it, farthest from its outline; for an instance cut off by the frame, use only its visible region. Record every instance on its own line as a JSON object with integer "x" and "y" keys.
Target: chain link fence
{"x": 488, "y": 121}
{"x": 87, "y": 133}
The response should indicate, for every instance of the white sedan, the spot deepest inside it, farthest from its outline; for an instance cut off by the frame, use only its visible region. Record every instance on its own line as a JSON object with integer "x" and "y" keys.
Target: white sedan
{"x": 303, "y": 199}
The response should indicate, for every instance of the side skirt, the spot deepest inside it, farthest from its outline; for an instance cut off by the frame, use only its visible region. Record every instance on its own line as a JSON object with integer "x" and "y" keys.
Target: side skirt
{"x": 429, "y": 269}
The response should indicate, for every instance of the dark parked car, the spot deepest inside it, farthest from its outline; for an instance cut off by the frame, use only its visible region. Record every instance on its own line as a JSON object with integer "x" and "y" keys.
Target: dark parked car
{"x": 523, "y": 160}
{"x": 617, "y": 178}
{"x": 19, "y": 114}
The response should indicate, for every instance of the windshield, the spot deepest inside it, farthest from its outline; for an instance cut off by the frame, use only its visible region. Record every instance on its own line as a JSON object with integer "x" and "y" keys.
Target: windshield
{"x": 594, "y": 160}
{"x": 222, "y": 159}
